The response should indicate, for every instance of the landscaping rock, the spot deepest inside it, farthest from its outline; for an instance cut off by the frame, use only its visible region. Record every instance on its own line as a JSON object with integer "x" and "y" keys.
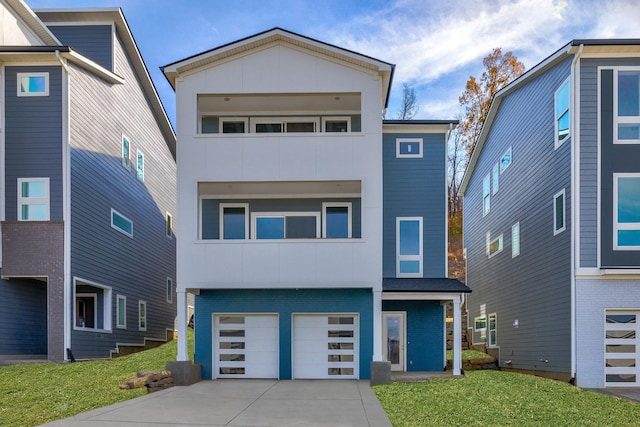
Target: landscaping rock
{"x": 152, "y": 380}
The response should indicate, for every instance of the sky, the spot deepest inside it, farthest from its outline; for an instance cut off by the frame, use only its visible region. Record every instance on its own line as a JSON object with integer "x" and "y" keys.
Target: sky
{"x": 435, "y": 44}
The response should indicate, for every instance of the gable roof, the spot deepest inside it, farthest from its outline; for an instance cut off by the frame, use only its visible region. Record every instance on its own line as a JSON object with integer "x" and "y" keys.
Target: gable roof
{"x": 34, "y": 23}
{"x": 276, "y": 34}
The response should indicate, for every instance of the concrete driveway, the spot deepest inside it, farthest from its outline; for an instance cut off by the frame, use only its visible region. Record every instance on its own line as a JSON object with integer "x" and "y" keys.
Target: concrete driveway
{"x": 245, "y": 403}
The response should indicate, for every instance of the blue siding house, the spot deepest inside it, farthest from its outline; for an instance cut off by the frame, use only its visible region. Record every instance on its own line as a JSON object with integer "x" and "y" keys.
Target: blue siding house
{"x": 87, "y": 162}
{"x": 552, "y": 218}
{"x": 314, "y": 234}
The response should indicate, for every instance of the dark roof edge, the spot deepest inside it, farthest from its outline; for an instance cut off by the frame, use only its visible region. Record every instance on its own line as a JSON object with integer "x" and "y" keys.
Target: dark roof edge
{"x": 35, "y": 49}
{"x": 605, "y": 42}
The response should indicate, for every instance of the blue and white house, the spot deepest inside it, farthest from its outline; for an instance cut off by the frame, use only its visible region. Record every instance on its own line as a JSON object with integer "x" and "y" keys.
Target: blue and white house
{"x": 313, "y": 233}
{"x": 87, "y": 188}
{"x": 552, "y": 218}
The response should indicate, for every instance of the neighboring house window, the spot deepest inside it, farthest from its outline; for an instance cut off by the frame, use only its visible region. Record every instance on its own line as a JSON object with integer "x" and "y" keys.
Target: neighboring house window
{"x": 480, "y": 323}
{"x": 142, "y": 316}
{"x": 93, "y": 307}
{"x": 493, "y": 337}
{"x": 121, "y": 223}
{"x": 494, "y": 246}
{"x": 336, "y": 220}
{"x": 626, "y": 211}
{"x": 505, "y": 160}
{"x": 86, "y": 310}
{"x": 290, "y": 225}
{"x": 33, "y": 84}
{"x": 126, "y": 161}
{"x": 233, "y": 125}
{"x": 234, "y": 221}
{"x": 169, "y": 225}
{"x": 558, "y": 212}
{"x": 562, "y": 115}
{"x": 336, "y": 124}
{"x": 486, "y": 194}
{"x": 33, "y": 199}
{"x": 409, "y": 147}
{"x": 169, "y": 290}
{"x": 121, "y": 312}
{"x": 140, "y": 164}
{"x": 515, "y": 240}
{"x": 496, "y": 178}
{"x": 409, "y": 247}
{"x": 627, "y": 109}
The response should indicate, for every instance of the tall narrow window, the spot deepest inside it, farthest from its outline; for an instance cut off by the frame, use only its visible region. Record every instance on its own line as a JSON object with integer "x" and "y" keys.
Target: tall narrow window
{"x": 505, "y": 160}
{"x": 558, "y": 212}
{"x": 409, "y": 247}
{"x": 336, "y": 220}
{"x": 626, "y": 211}
{"x": 169, "y": 290}
{"x": 627, "y": 108}
{"x": 121, "y": 312}
{"x": 33, "y": 84}
{"x": 126, "y": 162}
{"x": 515, "y": 240}
{"x": 562, "y": 115}
{"x": 168, "y": 225}
{"x": 486, "y": 194}
{"x": 234, "y": 221}
{"x": 142, "y": 316}
{"x": 33, "y": 199}
{"x": 493, "y": 327}
{"x": 496, "y": 178}
{"x": 140, "y": 164}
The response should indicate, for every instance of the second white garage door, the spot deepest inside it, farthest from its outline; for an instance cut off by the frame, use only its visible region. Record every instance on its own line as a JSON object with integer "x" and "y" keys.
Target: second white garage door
{"x": 325, "y": 346}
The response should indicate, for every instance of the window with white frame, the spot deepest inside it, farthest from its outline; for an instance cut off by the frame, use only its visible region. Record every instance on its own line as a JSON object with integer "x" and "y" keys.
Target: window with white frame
{"x": 121, "y": 223}
{"x": 126, "y": 150}
{"x": 408, "y": 148}
{"x": 559, "y": 212}
{"x": 480, "y": 323}
{"x": 234, "y": 221}
{"x": 169, "y": 290}
{"x": 495, "y": 185}
{"x": 626, "y": 211}
{"x": 486, "y": 194}
{"x": 285, "y": 225}
{"x": 505, "y": 160}
{"x": 515, "y": 240}
{"x": 336, "y": 220}
{"x": 493, "y": 327}
{"x": 233, "y": 124}
{"x": 562, "y": 114}
{"x": 627, "y": 106}
{"x": 121, "y": 312}
{"x": 86, "y": 310}
{"x": 92, "y": 310}
{"x": 168, "y": 225}
{"x": 140, "y": 165}
{"x": 33, "y": 84}
{"x": 494, "y": 246}
{"x": 33, "y": 199}
{"x": 409, "y": 247}
{"x": 336, "y": 124}
{"x": 142, "y": 315}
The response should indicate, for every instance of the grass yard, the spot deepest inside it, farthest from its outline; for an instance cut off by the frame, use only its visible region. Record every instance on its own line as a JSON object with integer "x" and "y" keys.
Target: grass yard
{"x": 495, "y": 398}
{"x": 468, "y": 354}
{"x": 39, "y": 393}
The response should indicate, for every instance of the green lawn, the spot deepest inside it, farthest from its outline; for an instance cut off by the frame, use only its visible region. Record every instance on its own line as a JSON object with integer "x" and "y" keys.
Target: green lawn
{"x": 468, "y": 354}
{"x": 38, "y": 393}
{"x": 495, "y": 398}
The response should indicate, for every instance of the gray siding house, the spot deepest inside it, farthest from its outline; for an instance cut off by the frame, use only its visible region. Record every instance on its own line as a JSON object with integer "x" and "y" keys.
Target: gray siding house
{"x": 552, "y": 218}
{"x": 87, "y": 188}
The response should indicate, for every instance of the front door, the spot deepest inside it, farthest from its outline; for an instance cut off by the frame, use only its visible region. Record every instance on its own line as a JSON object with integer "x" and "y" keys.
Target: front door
{"x": 394, "y": 338}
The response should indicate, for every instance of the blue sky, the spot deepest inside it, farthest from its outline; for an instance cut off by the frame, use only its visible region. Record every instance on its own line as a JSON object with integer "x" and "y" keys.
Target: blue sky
{"x": 435, "y": 44}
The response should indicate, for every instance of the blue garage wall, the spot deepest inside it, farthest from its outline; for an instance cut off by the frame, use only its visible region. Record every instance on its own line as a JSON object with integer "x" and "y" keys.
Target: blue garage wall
{"x": 285, "y": 303}
{"x": 425, "y": 333}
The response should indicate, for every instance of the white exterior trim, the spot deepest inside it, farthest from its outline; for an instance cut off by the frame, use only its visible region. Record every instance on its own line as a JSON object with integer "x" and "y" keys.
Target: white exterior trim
{"x": 221, "y": 218}
{"x": 326, "y": 205}
{"x": 419, "y": 257}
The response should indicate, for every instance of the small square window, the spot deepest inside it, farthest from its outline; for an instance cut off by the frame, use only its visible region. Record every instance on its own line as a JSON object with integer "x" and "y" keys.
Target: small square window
{"x": 495, "y": 246}
{"x": 126, "y": 161}
{"x": 558, "y": 212}
{"x": 409, "y": 148}
{"x": 480, "y": 323}
{"x": 33, "y": 199}
{"x": 140, "y": 163}
{"x": 33, "y": 84}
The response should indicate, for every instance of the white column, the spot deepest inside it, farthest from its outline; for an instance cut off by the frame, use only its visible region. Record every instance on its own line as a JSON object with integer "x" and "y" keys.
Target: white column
{"x": 457, "y": 337}
{"x": 377, "y": 326}
{"x": 183, "y": 354}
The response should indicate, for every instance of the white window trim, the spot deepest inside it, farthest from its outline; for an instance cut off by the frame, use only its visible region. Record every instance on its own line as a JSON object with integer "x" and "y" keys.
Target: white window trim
{"x": 121, "y": 299}
{"x": 221, "y": 218}
{"x": 558, "y": 142}
{"x": 223, "y": 119}
{"x": 557, "y": 230}
{"x": 106, "y": 304}
{"x": 169, "y": 290}
{"x": 624, "y": 119}
{"x": 326, "y": 205}
{"x": 515, "y": 227}
{"x": 485, "y": 211}
{"x": 502, "y": 169}
{"x": 115, "y": 227}
{"x": 495, "y": 329}
{"x": 140, "y": 304}
{"x": 138, "y": 154}
{"x": 253, "y": 121}
{"x": 168, "y": 225}
{"x": 128, "y": 159}
{"x": 418, "y": 257}
{"x": 46, "y": 200}
{"x": 399, "y": 141}
{"x": 20, "y": 76}
{"x": 336, "y": 118}
{"x": 256, "y": 215}
{"x": 500, "y": 240}
{"x": 495, "y": 179}
{"x": 616, "y": 225}
{"x": 95, "y": 310}
{"x": 475, "y": 320}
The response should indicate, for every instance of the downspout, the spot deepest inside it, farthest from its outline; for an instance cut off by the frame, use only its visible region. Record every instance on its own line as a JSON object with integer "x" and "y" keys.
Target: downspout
{"x": 66, "y": 206}
{"x": 575, "y": 194}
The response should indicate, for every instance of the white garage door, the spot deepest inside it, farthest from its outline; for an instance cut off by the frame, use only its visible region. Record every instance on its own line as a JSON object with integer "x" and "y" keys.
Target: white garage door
{"x": 622, "y": 348}
{"x": 325, "y": 346}
{"x": 245, "y": 346}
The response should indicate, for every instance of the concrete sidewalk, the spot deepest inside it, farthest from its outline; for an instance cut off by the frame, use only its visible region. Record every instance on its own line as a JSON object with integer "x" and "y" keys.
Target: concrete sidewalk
{"x": 245, "y": 403}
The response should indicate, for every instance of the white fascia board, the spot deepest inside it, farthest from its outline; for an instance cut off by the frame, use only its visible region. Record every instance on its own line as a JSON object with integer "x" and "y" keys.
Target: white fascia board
{"x": 93, "y": 67}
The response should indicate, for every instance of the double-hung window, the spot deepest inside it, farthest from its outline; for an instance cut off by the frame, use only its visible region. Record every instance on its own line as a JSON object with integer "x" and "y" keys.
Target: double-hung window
{"x": 562, "y": 114}
{"x": 627, "y": 107}
{"x": 493, "y": 326}
{"x": 33, "y": 199}
{"x": 486, "y": 194}
{"x": 559, "y": 212}
{"x": 626, "y": 211}
{"x": 290, "y": 225}
{"x": 336, "y": 220}
{"x": 33, "y": 84}
{"x": 409, "y": 247}
{"x": 234, "y": 221}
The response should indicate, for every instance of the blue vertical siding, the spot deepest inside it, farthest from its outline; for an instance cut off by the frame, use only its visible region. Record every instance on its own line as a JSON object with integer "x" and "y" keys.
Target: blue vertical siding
{"x": 285, "y": 303}
{"x": 93, "y": 41}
